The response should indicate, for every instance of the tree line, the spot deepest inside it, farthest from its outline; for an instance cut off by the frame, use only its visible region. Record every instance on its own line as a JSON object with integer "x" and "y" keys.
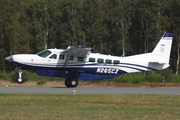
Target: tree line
{"x": 116, "y": 27}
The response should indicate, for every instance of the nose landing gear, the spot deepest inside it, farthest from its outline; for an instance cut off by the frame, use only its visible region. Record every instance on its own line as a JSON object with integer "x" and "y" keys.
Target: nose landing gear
{"x": 20, "y": 80}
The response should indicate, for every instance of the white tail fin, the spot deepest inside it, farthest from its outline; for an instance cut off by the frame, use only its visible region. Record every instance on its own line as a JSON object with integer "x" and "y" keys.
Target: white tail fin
{"x": 162, "y": 50}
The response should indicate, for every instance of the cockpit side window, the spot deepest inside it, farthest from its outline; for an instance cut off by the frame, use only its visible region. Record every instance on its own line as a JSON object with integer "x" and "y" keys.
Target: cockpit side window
{"x": 44, "y": 53}
{"x": 54, "y": 56}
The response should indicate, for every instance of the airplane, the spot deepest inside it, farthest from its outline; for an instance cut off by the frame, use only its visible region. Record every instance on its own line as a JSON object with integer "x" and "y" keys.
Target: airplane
{"x": 78, "y": 63}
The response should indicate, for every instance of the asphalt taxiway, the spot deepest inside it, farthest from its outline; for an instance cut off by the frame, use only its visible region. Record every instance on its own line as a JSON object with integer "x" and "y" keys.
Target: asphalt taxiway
{"x": 88, "y": 90}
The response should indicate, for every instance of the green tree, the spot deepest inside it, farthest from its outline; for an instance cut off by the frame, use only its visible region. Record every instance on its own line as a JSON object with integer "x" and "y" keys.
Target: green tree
{"x": 15, "y": 36}
{"x": 40, "y": 19}
{"x": 67, "y": 23}
{"x": 174, "y": 9}
{"x": 94, "y": 25}
{"x": 118, "y": 21}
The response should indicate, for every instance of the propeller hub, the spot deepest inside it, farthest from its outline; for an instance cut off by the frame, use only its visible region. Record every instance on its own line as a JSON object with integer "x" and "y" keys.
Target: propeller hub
{"x": 9, "y": 58}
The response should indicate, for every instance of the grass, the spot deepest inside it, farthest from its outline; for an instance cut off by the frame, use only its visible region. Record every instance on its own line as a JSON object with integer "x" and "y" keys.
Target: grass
{"x": 88, "y": 107}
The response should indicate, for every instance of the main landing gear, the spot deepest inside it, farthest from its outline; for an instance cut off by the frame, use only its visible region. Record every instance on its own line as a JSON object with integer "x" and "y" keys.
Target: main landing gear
{"x": 71, "y": 82}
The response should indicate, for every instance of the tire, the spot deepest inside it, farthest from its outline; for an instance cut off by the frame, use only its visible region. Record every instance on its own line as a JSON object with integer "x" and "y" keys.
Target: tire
{"x": 19, "y": 81}
{"x": 67, "y": 82}
{"x": 71, "y": 82}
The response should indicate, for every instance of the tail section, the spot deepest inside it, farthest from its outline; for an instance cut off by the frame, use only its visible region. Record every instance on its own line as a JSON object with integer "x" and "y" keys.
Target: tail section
{"x": 158, "y": 59}
{"x": 161, "y": 52}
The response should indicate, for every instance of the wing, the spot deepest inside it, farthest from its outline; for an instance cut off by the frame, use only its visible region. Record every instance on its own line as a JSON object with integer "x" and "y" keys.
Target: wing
{"x": 78, "y": 50}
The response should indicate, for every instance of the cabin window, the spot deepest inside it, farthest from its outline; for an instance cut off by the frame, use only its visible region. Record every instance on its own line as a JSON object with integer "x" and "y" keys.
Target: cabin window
{"x": 44, "y": 53}
{"x": 116, "y": 62}
{"x": 108, "y": 61}
{"x": 80, "y": 58}
{"x": 71, "y": 57}
{"x": 61, "y": 57}
{"x": 54, "y": 56}
{"x": 100, "y": 60}
{"x": 91, "y": 59}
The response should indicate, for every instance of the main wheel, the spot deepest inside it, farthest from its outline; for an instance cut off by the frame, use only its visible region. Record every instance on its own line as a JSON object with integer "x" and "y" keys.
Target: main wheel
{"x": 71, "y": 82}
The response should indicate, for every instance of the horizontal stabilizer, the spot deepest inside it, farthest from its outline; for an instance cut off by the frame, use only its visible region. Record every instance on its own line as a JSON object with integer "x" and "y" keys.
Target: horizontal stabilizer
{"x": 155, "y": 62}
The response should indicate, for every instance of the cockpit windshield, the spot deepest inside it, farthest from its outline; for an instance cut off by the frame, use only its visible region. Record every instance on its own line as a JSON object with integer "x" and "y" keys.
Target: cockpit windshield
{"x": 44, "y": 53}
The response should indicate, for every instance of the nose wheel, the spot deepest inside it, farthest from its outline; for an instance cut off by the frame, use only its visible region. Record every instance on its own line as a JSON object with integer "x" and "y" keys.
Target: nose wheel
{"x": 70, "y": 82}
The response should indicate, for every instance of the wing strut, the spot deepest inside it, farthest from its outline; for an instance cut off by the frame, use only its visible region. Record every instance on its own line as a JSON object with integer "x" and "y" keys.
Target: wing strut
{"x": 67, "y": 60}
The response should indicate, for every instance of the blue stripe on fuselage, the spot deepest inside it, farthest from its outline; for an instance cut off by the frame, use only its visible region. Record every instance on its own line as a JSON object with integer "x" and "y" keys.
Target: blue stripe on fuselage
{"x": 68, "y": 73}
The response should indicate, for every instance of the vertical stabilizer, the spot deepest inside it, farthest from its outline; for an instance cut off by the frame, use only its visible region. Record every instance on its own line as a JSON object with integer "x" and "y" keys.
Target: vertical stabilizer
{"x": 162, "y": 50}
